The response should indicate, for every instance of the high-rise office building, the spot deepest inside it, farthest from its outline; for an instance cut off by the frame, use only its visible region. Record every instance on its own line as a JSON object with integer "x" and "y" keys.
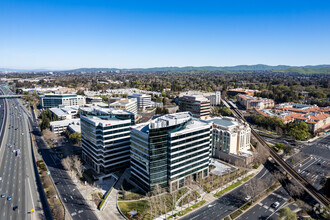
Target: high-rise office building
{"x": 198, "y": 105}
{"x": 106, "y": 138}
{"x": 170, "y": 151}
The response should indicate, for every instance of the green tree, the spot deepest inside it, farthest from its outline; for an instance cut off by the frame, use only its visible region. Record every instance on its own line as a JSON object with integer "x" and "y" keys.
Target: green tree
{"x": 45, "y": 124}
{"x": 80, "y": 92}
{"x": 299, "y": 130}
{"x": 288, "y": 214}
{"x": 75, "y": 137}
{"x": 224, "y": 111}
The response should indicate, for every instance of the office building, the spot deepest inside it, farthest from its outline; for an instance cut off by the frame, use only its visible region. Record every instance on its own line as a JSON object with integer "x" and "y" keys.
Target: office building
{"x": 61, "y": 100}
{"x": 198, "y": 105}
{"x": 93, "y": 99}
{"x": 61, "y": 126}
{"x": 230, "y": 136}
{"x": 124, "y": 104}
{"x": 215, "y": 99}
{"x": 106, "y": 138}
{"x": 143, "y": 100}
{"x": 65, "y": 113}
{"x": 251, "y": 102}
{"x": 170, "y": 151}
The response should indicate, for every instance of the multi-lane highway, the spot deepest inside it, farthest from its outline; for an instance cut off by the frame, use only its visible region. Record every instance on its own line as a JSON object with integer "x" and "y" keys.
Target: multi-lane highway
{"x": 72, "y": 198}
{"x": 20, "y": 198}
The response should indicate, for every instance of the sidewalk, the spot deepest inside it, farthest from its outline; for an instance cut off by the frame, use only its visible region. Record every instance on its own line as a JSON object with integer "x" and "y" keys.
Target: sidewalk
{"x": 110, "y": 210}
{"x": 209, "y": 197}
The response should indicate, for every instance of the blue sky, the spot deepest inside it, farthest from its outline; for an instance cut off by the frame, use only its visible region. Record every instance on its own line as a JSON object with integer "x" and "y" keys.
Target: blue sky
{"x": 65, "y": 34}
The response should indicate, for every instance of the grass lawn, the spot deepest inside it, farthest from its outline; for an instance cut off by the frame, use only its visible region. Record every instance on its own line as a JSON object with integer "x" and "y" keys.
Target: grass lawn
{"x": 141, "y": 207}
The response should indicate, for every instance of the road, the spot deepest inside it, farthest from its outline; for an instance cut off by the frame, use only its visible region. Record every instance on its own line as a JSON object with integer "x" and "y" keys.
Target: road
{"x": 72, "y": 198}
{"x": 313, "y": 169}
{"x": 227, "y": 203}
{"x": 17, "y": 172}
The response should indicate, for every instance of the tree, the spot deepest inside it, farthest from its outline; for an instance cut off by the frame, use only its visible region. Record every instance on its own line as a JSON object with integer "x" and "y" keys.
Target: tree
{"x": 45, "y": 123}
{"x": 299, "y": 130}
{"x": 80, "y": 92}
{"x": 67, "y": 163}
{"x": 75, "y": 138}
{"x": 224, "y": 111}
{"x": 287, "y": 213}
{"x": 77, "y": 165}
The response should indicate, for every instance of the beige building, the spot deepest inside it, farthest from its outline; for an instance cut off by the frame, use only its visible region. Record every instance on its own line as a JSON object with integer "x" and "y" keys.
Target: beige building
{"x": 230, "y": 136}
{"x": 124, "y": 104}
{"x": 198, "y": 105}
{"x": 251, "y": 102}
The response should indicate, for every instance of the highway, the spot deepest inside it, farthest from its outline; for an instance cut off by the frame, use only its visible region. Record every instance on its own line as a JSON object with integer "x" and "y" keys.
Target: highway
{"x": 17, "y": 171}
{"x": 70, "y": 195}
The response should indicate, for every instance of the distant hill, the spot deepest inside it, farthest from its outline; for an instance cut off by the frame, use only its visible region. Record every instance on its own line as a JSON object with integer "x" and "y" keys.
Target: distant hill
{"x": 258, "y": 67}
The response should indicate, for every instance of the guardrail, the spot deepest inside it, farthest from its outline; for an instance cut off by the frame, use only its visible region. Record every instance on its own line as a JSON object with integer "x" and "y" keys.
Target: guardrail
{"x": 294, "y": 174}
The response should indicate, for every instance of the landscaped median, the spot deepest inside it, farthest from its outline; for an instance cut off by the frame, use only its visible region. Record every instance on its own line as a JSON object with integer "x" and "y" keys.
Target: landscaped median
{"x": 189, "y": 209}
{"x": 233, "y": 186}
{"x": 104, "y": 199}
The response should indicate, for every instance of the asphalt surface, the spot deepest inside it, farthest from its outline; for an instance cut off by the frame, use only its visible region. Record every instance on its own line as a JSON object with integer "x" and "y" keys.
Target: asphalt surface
{"x": 312, "y": 169}
{"x": 72, "y": 198}
{"x": 227, "y": 203}
{"x": 17, "y": 172}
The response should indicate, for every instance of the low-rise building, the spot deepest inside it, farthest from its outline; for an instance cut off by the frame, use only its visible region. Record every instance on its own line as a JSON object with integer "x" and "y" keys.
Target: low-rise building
{"x": 251, "y": 102}
{"x": 243, "y": 91}
{"x": 65, "y": 113}
{"x": 198, "y": 105}
{"x": 93, "y": 99}
{"x": 61, "y": 100}
{"x": 170, "y": 151}
{"x": 143, "y": 100}
{"x": 61, "y": 126}
{"x": 124, "y": 104}
{"x": 318, "y": 118}
{"x": 106, "y": 138}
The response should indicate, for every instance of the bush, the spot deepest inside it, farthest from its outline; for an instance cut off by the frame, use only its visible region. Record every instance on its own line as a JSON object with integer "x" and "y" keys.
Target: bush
{"x": 236, "y": 214}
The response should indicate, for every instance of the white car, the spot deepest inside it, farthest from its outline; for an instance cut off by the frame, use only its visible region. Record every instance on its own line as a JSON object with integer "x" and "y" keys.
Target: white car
{"x": 275, "y": 205}
{"x": 247, "y": 198}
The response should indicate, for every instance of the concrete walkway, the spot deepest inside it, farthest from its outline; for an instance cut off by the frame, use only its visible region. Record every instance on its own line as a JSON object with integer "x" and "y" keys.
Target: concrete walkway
{"x": 110, "y": 210}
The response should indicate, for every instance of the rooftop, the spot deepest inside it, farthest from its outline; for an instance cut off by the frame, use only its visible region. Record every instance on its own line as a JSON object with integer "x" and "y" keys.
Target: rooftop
{"x": 171, "y": 120}
{"x": 224, "y": 122}
{"x": 100, "y": 110}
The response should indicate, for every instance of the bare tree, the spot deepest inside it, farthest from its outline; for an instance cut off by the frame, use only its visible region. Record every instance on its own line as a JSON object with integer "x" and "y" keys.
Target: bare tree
{"x": 77, "y": 165}
{"x": 295, "y": 190}
{"x": 254, "y": 187}
{"x": 67, "y": 163}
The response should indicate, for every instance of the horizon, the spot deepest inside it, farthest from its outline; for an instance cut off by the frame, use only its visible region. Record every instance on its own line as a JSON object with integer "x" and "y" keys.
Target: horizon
{"x": 152, "y": 67}
{"x": 65, "y": 35}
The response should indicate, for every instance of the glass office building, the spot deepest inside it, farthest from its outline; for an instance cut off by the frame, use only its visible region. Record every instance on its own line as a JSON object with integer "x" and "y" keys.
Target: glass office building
{"x": 170, "y": 151}
{"x": 61, "y": 100}
{"x": 106, "y": 138}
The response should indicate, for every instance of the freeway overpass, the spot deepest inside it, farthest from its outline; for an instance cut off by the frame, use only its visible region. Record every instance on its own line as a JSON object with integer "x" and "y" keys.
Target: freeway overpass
{"x": 10, "y": 96}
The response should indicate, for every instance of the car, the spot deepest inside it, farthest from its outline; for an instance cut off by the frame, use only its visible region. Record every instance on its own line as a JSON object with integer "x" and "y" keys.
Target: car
{"x": 9, "y": 198}
{"x": 247, "y": 198}
{"x": 0, "y": 178}
{"x": 3, "y": 195}
{"x": 275, "y": 205}
{"x": 14, "y": 151}
{"x": 22, "y": 133}
{"x": 15, "y": 207}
